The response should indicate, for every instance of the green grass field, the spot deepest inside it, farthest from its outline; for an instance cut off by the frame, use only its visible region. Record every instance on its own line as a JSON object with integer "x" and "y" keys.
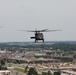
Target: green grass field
{"x": 19, "y": 70}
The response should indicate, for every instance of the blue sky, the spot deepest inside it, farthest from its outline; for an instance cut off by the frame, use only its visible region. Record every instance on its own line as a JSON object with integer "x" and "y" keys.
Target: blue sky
{"x": 41, "y": 14}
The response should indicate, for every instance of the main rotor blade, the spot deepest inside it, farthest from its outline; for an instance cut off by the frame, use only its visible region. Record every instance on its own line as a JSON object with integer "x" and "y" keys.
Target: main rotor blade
{"x": 53, "y": 30}
{"x": 43, "y": 30}
{"x": 34, "y": 30}
{"x": 27, "y": 30}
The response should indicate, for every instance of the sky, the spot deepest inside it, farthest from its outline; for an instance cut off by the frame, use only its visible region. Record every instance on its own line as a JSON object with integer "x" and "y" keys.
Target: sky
{"x": 41, "y": 14}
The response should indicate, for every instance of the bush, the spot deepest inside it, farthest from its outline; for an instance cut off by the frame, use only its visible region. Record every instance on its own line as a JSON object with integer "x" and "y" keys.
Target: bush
{"x": 32, "y": 71}
{"x": 57, "y": 73}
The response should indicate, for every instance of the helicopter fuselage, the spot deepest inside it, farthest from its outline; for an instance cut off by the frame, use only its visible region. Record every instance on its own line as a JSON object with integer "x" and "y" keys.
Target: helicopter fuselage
{"x": 38, "y": 36}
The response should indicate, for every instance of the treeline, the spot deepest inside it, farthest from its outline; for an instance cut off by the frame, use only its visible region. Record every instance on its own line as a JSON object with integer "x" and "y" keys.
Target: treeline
{"x": 64, "y": 46}
{"x": 55, "y": 46}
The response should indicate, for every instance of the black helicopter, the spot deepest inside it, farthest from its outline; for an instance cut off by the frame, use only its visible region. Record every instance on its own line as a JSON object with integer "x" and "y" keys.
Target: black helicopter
{"x": 38, "y": 34}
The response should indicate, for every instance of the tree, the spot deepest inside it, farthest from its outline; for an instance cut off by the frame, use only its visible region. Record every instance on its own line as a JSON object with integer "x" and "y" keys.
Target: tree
{"x": 26, "y": 69}
{"x": 46, "y": 73}
{"x": 0, "y": 67}
{"x": 2, "y": 62}
{"x": 49, "y": 73}
{"x": 57, "y": 73}
{"x": 3, "y": 68}
{"x": 32, "y": 71}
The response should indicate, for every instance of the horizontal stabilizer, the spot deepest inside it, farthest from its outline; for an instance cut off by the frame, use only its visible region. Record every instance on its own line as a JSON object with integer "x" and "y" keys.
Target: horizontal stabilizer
{"x": 32, "y": 37}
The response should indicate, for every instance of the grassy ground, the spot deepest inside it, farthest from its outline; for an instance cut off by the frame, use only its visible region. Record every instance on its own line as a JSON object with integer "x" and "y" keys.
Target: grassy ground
{"x": 19, "y": 70}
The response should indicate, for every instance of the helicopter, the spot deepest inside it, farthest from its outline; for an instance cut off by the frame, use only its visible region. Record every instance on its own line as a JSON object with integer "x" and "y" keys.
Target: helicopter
{"x": 39, "y": 34}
